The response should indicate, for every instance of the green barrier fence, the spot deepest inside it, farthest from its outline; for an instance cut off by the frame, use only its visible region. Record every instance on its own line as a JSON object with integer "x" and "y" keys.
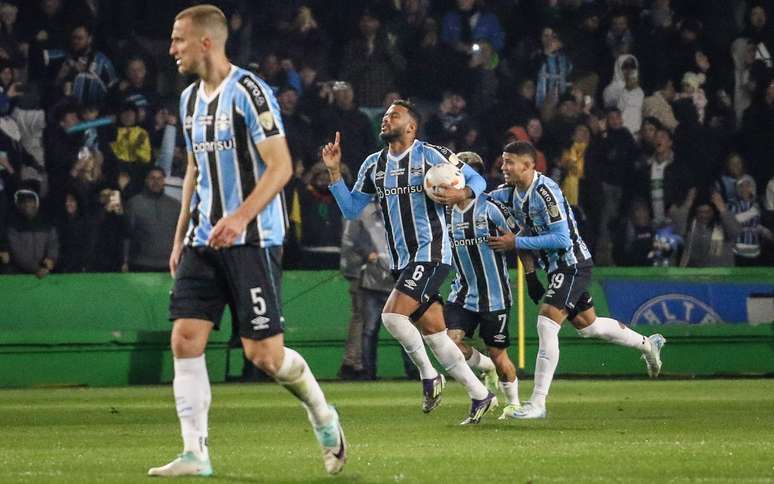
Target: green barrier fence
{"x": 112, "y": 329}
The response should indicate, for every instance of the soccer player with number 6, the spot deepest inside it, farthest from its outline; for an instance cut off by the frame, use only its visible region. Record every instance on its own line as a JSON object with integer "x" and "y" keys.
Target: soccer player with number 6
{"x": 548, "y": 227}
{"x": 419, "y": 245}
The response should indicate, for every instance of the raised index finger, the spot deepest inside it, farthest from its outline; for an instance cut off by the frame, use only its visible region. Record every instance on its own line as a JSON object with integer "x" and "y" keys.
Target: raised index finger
{"x": 338, "y": 138}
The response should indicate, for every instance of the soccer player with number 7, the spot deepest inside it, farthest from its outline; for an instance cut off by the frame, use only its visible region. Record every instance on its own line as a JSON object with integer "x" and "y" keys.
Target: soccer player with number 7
{"x": 419, "y": 245}
{"x": 548, "y": 227}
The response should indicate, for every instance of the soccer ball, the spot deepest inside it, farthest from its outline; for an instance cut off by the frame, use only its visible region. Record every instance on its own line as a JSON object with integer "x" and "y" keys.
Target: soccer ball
{"x": 442, "y": 174}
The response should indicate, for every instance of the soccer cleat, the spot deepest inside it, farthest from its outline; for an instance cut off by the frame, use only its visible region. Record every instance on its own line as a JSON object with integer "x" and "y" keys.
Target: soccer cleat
{"x": 333, "y": 443}
{"x": 528, "y": 411}
{"x": 186, "y": 464}
{"x": 653, "y": 357}
{"x": 478, "y": 408}
{"x": 491, "y": 381}
{"x": 431, "y": 389}
{"x": 508, "y": 411}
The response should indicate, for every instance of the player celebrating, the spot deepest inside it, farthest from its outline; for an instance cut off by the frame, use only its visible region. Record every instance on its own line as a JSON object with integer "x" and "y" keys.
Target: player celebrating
{"x": 481, "y": 293}
{"x": 419, "y": 245}
{"x": 229, "y": 236}
{"x": 542, "y": 212}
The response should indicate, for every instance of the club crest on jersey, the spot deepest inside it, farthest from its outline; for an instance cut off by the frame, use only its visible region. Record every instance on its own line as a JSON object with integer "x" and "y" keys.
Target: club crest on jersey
{"x": 481, "y": 222}
{"x": 554, "y": 215}
{"x": 223, "y": 122}
{"x": 417, "y": 171}
{"x": 188, "y": 122}
{"x": 266, "y": 119}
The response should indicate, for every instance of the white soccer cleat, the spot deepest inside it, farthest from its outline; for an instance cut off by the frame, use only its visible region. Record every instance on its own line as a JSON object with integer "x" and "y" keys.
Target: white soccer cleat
{"x": 186, "y": 464}
{"x": 333, "y": 443}
{"x": 653, "y": 357}
{"x": 528, "y": 411}
{"x": 508, "y": 411}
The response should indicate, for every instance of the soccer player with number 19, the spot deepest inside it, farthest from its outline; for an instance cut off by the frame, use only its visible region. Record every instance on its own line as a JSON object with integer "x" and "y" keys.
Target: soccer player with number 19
{"x": 548, "y": 227}
{"x": 228, "y": 242}
{"x": 419, "y": 245}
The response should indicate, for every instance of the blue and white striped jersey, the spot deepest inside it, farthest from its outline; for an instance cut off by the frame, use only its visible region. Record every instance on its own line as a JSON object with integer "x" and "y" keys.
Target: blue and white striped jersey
{"x": 415, "y": 225}
{"x": 543, "y": 212}
{"x": 222, "y": 131}
{"x": 482, "y": 283}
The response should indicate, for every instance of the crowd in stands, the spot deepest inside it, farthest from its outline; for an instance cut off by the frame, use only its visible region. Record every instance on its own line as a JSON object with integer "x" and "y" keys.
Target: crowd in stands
{"x": 655, "y": 116}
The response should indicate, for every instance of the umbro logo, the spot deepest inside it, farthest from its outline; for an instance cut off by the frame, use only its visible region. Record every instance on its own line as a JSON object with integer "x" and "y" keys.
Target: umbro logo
{"x": 260, "y": 322}
{"x": 499, "y": 337}
{"x": 550, "y": 293}
{"x": 379, "y": 175}
{"x": 410, "y": 284}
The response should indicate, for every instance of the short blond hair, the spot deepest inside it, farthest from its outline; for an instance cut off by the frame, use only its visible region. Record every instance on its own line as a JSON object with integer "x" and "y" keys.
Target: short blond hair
{"x": 207, "y": 17}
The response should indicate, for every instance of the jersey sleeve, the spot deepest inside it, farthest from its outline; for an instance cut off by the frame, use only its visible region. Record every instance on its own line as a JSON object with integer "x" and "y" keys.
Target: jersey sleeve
{"x": 552, "y": 202}
{"x": 260, "y": 108}
{"x": 185, "y": 119}
{"x": 436, "y": 154}
{"x": 364, "y": 182}
{"x": 499, "y": 213}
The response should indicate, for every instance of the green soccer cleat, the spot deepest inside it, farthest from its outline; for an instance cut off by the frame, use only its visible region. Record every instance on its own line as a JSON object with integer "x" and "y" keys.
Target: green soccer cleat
{"x": 186, "y": 464}
{"x": 333, "y": 443}
{"x": 491, "y": 381}
{"x": 508, "y": 411}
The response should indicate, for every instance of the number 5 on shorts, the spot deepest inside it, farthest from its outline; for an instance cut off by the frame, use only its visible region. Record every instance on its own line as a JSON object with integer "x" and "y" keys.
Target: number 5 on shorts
{"x": 259, "y": 303}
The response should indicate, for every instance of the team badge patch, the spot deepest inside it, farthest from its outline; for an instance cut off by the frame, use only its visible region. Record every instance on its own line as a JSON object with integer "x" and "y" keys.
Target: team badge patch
{"x": 554, "y": 214}
{"x": 267, "y": 120}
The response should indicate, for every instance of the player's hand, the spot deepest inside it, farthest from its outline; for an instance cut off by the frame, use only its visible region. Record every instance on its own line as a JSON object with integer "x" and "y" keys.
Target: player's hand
{"x": 331, "y": 157}
{"x": 226, "y": 231}
{"x": 503, "y": 243}
{"x": 449, "y": 196}
{"x": 174, "y": 258}
{"x": 535, "y": 288}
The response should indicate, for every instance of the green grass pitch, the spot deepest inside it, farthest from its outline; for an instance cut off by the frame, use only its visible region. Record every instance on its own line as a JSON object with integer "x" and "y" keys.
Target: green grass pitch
{"x": 596, "y": 431}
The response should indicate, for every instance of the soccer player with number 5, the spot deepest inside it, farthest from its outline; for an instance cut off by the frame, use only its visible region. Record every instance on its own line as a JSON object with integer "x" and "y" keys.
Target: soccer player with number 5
{"x": 548, "y": 228}
{"x": 419, "y": 245}
{"x": 228, "y": 242}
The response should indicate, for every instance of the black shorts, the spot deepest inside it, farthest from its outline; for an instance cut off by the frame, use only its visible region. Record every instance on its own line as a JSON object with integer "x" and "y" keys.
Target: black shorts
{"x": 493, "y": 326}
{"x": 421, "y": 282}
{"x": 245, "y": 277}
{"x": 568, "y": 289}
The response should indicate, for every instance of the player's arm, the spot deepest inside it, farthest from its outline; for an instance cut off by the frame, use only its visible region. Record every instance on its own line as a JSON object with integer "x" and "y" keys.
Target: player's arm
{"x": 474, "y": 183}
{"x": 351, "y": 202}
{"x": 189, "y": 183}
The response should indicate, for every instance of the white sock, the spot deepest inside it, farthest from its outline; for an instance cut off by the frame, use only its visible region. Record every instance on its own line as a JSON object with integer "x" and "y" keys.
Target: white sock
{"x": 479, "y": 361}
{"x": 191, "y": 387}
{"x": 611, "y": 330}
{"x": 547, "y": 359}
{"x": 449, "y": 355}
{"x": 511, "y": 389}
{"x": 295, "y": 375}
{"x": 402, "y": 329}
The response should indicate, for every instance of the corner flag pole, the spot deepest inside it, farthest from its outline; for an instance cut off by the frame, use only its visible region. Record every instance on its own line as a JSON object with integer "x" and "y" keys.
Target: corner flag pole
{"x": 520, "y": 309}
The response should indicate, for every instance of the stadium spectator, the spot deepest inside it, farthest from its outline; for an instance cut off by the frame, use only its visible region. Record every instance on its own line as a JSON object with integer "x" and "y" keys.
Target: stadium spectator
{"x": 634, "y": 237}
{"x": 468, "y": 23}
{"x": 343, "y": 115}
{"x": 151, "y": 217}
{"x": 759, "y": 32}
{"x": 662, "y": 176}
{"x": 109, "y": 227}
{"x": 726, "y": 184}
{"x": 659, "y": 104}
{"x": 85, "y": 177}
{"x": 624, "y": 92}
{"x": 619, "y": 37}
{"x": 710, "y": 231}
{"x": 743, "y": 54}
{"x": 691, "y": 89}
{"x": 240, "y": 37}
{"x": 13, "y": 49}
{"x": 130, "y": 145}
{"x": 483, "y": 78}
{"x": 33, "y": 244}
{"x": 572, "y": 164}
{"x": 552, "y": 67}
{"x": 448, "y": 124}
{"x": 757, "y": 126}
{"x": 76, "y": 237}
{"x": 371, "y": 62}
{"x": 298, "y": 128}
{"x": 587, "y": 48}
{"x": 305, "y": 41}
{"x": 85, "y": 73}
{"x": 320, "y": 223}
{"x": 747, "y": 212}
{"x": 135, "y": 88}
